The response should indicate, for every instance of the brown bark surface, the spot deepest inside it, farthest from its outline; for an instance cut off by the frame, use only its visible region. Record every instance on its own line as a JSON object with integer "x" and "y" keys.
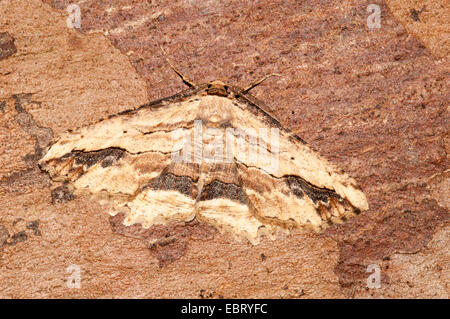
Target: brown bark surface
{"x": 373, "y": 101}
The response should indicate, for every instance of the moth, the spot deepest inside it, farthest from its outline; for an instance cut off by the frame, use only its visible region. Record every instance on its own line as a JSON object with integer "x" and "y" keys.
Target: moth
{"x": 211, "y": 153}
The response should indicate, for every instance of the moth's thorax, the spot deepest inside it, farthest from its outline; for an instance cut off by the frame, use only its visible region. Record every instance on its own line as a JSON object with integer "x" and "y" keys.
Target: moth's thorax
{"x": 215, "y": 110}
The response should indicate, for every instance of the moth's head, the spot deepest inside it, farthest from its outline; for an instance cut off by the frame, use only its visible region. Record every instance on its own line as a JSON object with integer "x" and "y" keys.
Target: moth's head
{"x": 217, "y": 88}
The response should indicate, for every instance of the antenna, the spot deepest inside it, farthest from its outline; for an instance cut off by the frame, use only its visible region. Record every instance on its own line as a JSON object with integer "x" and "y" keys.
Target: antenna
{"x": 181, "y": 75}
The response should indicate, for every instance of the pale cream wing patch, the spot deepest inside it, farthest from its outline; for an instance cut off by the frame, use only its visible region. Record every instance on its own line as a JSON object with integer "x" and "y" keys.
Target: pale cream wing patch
{"x": 118, "y": 161}
{"x": 287, "y": 155}
{"x": 223, "y": 204}
{"x": 291, "y": 203}
{"x": 171, "y": 196}
{"x": 144, "y": 130}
